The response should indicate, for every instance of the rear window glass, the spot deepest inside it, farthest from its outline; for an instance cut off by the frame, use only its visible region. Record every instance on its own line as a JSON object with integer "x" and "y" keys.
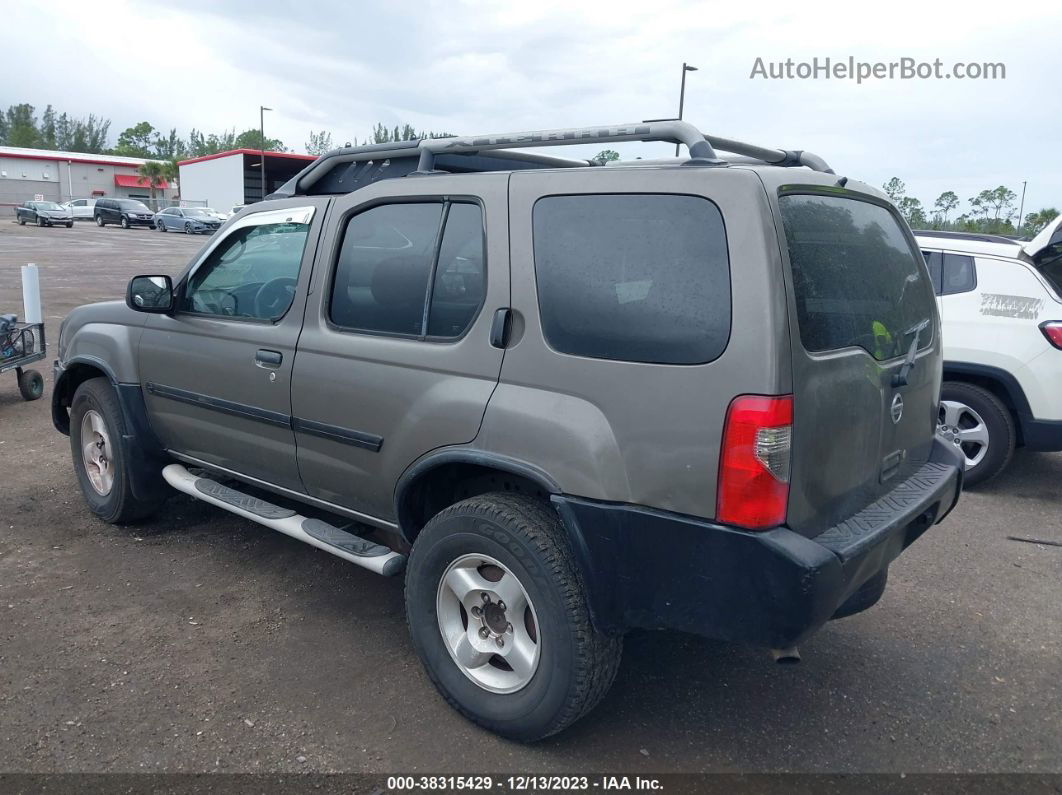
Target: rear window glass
{"x": 635, "y": 277}
{"x": 857, "y": 281}
{"x": 959, "y": 274}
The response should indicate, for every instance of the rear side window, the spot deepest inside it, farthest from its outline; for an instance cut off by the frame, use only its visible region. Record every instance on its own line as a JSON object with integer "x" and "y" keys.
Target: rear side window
{"x": 857, "y": 281}
{"x": 397, "y": 259}
{"x": 635, "y": 277}
{"x": 959, "y": 274}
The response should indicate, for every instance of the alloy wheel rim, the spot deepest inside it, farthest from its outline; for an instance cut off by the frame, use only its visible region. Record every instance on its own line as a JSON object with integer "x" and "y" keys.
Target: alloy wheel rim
{"x": 961, "y": 426}
{"x": 488, "y": 624}
{"x": 96, "y": 452}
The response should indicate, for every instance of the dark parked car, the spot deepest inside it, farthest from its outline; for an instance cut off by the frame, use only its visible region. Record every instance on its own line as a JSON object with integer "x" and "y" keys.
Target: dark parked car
{"x": 126, "y": 212}
{"x": 43, "y": 214}
{"x": 190, "y": 220}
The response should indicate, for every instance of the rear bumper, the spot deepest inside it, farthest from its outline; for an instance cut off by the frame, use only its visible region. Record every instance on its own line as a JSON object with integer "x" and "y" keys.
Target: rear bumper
{"x": 651, "y": 569}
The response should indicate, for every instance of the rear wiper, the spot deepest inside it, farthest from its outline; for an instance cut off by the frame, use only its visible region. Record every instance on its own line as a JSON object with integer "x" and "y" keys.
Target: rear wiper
{"x": 900, "y": 378}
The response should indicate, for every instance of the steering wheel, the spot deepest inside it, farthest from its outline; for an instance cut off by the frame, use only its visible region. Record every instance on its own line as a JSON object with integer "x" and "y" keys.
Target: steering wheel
{"x": 274, "y": 296}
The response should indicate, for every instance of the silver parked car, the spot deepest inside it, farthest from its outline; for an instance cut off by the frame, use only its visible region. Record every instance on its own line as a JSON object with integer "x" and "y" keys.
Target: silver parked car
{"x": 190, "y": 220}
{"x": 80, "y": 209}
{"x": 570, "y": 400}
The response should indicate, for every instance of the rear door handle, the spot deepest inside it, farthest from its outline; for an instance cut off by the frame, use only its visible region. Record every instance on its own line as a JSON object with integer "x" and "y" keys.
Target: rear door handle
{"x": 501, "y": 327}
{"x": 268, "y": 358}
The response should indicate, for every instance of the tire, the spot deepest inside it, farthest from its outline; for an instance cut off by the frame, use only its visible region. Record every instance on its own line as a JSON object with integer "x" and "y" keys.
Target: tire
{"x": 574, "y": 665}
{"x": 100, "y": 222}
{"x": 21, "y": 221}
{"x": 971, "y": 412}
{"x": 40, "y": 222}
{"x": 188, "y": 229}
{"x": 30, "y": 384}
{"x": 70, "y": 225}
{"x": 116, "y": 504}
{"x": 125, "y": 222}
{"x": 161, "y": 226}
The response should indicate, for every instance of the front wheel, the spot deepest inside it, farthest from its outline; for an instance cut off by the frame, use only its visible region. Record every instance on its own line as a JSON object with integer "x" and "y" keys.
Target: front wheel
{"x": 21, "y": 221}
{"x": 40, "y": 221}
{"x": 160, "y": 226}
{"x": 99, "y": 220}
{"x": 498, "y": 615}
{"x": 97, "y": 426}
{"x": 978, "y": 424}
{"x": 70, "y": 225}
{"x": 188, "y": 229}
{"x": 125, "y": 223}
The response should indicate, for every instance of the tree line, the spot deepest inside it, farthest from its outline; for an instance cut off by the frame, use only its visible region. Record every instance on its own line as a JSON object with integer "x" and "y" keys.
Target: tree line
{"x": 992, "y": 211}
{"x": 21, "y": 126}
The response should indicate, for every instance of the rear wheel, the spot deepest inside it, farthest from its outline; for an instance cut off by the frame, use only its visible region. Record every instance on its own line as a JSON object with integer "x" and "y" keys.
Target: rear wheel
{"x": 96, "y": 429}
{"x": 978, "y": 424}
{"x": 498, "y": 616}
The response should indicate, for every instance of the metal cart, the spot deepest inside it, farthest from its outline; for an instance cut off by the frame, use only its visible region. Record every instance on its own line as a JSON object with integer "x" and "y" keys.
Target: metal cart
{"x": 22, "y": 344}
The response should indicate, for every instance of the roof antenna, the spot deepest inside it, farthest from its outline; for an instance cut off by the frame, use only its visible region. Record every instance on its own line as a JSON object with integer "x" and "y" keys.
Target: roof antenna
{"x": 842, "y": 181}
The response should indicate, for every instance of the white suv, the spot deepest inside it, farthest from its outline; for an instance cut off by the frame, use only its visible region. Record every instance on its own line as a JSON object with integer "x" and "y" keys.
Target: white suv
{"x": 1000, "y": 307}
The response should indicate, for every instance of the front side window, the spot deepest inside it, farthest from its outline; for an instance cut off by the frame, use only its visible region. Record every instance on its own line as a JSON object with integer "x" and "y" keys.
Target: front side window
{"x": 253, "y": 271}
{"x": 933, "y": 263}
{"x": 856, "y": 280}
{"x": 636, "y": 277}
{"x": 398, "y": 259}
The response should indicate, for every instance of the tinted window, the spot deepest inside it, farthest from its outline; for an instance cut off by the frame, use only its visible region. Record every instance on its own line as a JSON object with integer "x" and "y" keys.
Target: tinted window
{"x": 460, "y": 280}
{"x": 634, "y": 277}
{"x": 933, "y": 262}
{"x": 132, "y": 206}
{"x": 251, "y": 274}
{"x": 384, "y": 273}
{"x": 959, "y": 274}
{"x": 856, "y": 279}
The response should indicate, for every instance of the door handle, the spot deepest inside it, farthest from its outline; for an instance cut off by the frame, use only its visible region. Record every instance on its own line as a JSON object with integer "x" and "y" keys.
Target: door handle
{"x": 268, "y": 358}
{"x": 501, "y": 327}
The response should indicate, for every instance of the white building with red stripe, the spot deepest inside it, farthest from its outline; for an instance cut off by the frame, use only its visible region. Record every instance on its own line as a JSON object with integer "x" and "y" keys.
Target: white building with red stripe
{"x": 26, "y": 174}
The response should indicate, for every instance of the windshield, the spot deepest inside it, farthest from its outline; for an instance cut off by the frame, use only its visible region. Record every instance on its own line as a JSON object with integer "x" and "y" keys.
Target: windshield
{"x": 856, "y": 279}
{"x": 138, "y": 207}
{"x": 47, "y": 206}
{"x": 197, "y": 213}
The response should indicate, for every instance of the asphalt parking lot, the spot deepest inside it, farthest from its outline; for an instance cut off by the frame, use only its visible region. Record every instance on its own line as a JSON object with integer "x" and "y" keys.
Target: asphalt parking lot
{"x": 201, "y": 642}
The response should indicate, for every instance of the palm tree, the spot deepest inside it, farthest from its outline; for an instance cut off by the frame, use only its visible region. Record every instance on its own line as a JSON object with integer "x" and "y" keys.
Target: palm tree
{"x": 154, "y": 172}
{"x": 171, "y": 173}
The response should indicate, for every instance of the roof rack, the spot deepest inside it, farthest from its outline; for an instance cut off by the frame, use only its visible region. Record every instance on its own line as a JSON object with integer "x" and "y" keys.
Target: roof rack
{"x": 974, "y": 236}
{"x": 430, "y": 151}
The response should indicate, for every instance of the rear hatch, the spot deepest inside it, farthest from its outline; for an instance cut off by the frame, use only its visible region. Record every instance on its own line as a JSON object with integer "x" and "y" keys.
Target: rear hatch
{"x": 866, "y": 352}
{"x": 1045, "y": 252}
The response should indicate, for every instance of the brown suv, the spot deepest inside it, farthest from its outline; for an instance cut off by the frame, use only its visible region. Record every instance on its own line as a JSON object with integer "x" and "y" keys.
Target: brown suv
{"x": 696, "y": 394}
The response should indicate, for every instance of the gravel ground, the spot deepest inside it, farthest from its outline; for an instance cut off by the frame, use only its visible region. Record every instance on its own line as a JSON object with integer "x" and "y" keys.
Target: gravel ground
{"x": 200, "y": 642}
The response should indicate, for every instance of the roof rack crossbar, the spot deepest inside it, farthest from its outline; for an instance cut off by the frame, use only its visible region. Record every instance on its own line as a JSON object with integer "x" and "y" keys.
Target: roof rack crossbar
{"x": 678, "y": 132}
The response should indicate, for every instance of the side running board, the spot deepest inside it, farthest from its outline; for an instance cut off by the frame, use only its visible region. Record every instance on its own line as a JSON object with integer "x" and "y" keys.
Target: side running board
{"x": 367, "y": 554}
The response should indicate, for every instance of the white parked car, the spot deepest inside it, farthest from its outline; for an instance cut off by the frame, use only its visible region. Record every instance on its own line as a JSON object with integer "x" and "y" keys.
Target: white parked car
{"x": 216, "y": 213}
{"x": 80, "y": 209}
{"x": 1000, "y": 305}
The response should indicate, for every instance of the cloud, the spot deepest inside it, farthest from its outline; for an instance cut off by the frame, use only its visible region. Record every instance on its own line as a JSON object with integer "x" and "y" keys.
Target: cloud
{"x": 472, "y": 67}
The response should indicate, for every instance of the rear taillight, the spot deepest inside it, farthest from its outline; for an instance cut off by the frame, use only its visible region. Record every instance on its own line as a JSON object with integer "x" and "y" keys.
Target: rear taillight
{"x": 1052, "y": 329}
{"x": 754, "y": 463}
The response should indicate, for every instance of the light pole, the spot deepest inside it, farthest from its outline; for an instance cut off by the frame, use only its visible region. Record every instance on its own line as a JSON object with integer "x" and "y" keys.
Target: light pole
{"x": 682, "y": 94}
{"x": 1021, "y": 207}
{"x": 261, "y": 143}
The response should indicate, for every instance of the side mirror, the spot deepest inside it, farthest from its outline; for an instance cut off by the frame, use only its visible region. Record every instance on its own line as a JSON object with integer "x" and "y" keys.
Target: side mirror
{"x": 150, "y": 294}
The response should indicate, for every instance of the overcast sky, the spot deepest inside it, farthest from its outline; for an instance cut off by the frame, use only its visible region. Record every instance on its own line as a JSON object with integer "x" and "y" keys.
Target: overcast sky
{"x": 469, "y": 68}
